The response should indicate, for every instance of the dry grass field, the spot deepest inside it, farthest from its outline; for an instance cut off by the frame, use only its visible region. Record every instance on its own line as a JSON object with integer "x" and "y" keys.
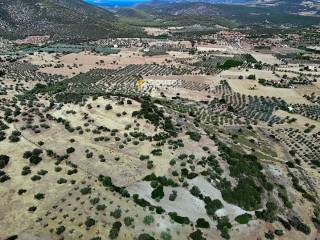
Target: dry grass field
{"x": 76, "y": 63}
{"x": 266, "y": 58}
{"x": 159, "y": 141}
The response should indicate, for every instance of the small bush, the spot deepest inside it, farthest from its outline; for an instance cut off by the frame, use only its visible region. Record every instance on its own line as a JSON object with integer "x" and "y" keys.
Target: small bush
{"x": 148, "y": 220}
{"x": 4, "y": 160}
{"x": 202, "y": 223}
{"x": 90, "y": 222}
{"x": 244, "y": 218}
{"x": 60, "y": 230}
{"x": 114, "y": 232}
{"x": 128, "y": 221}
{"x": 39, "y": 196}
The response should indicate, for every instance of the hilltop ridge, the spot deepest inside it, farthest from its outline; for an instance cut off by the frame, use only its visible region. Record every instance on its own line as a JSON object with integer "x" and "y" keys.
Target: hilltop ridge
{"x": 71, "y": 19}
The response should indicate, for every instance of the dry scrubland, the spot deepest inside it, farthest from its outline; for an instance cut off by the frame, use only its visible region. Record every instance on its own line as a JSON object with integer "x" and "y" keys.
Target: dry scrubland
{"x": 75, "y": 63}
{"x": 253, "y": 88}
{"x": 148, "y": 145}
{"x": 64, "y": 204}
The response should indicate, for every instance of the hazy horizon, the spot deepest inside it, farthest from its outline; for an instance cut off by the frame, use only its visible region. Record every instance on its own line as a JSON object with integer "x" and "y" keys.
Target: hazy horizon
{"x": 115, "y": 3}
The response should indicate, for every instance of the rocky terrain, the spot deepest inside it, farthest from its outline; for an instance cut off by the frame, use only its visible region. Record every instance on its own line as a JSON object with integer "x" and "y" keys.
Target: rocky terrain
{"x": 205, "y": 128}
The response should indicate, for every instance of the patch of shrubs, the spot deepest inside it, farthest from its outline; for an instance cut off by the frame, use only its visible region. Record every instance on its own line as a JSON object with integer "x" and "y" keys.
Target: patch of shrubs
{"x": 85, "y": 190}
{"x": 70, "y": 150}
{"x": 157, "y": 193}
{"x": 224, "y": 226}
{"x": 299, "y": 188}
{"x": 246, "y": 194}
{"x": 116, "y": 213}
{"x": 90, "y": 222}
{"x": 128, "y": 221}
{"x": 4, "y": 160}
{"x": 212, "y": 205}
{"x": 156, "y": 152}
{"x": 246, "y": 168}
{"x": 60, "y": 230}
{"x": 202, "y": 223}
{"x": 114, "y": 232}
{"x": 283, "y": 195}
{"x": 25, "y": 170}
{"x": 101, "y": 207}
{"x": 178, "y": 219}
{"x": 35, "y": 178}
{"x": 145, "y": 236}
{"x": 39, "y": 196}
{"x": 300, "y": 226}
{"x": 148, "y": 220}
{"x": 173, "y": 195}
{"x": 107, "y": 182}
{"x": 152, "y": 113}
{"x": 164, "y": 181}
{"x": 194, "y": 136}
{"x": 197, "y": 235}
{"x": 4, "y": 177}
{"x": 61, "y": 181}
{"x": 244, "y": 218}
{"x": 15, "y": 136}
{"x": 33, "y": 156}
{"x": 269, "y": 214}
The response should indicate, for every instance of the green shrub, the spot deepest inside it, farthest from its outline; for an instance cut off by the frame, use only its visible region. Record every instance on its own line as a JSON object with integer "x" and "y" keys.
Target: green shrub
{"x": 252, "y": 77}
{"x": 61, "y": 180}
{"x": 42, "y": 172}
{"x": 178, "y": 219}
{"x": 278, "y": 232}
{"x": 128, "y": 221}
{"x": 194, "y": 136}
{"x": 195, "y": 191}
{"x": 197, "y": 235}
{"x": 39, "y": 196}
{"x": 101, "y": 207}
{"x": 212, "y": 205}
{"x": 114, "y": 231}
{"x": 85, "y": 190}
{"x": 70, "y": 150}
{"x": 60, "y": 230}
{"x": 299, "y": 225}
{"x": 282, "y": 193}
{"x": 157, "y": 193}
{"x": 202, "y": 223}
{"x": 35, "y": 178}
{"x": 116, "y": 213}
{"x": 269, "y": 214}
{"x": 147, "y": 220}
{"x": 156, "y": 152}
{"x": 145, "y": 236}
{"x": 244, "y": 218}
{"x": 4, "y": 160}
{"x": 35, "y": 159}
{"x": 165, "y": 236}
{"x": 25, "y": 171}
{"x": 224, "y": 225}
{"x": 246, "y": 194}
{"x": 230, "y": 63}
{"x": 90, "y": 222}
{"x": 173, "y": 195}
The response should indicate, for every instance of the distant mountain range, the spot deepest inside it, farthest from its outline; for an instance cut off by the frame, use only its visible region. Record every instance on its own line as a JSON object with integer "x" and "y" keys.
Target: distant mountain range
{"x": 67, "y": 19}
{"x": 301, "y": 7}
{"x": 250, "y": 13}
{"x": 78, "y": 20}
{"x": 307, "y": 7}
